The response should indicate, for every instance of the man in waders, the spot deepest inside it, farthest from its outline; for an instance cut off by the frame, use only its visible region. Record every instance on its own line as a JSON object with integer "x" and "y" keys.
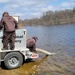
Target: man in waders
{"x": 9, "y": 24}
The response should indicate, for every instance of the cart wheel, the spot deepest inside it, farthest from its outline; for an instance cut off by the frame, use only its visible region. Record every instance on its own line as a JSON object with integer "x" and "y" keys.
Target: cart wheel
{"x": 13, "y": 60}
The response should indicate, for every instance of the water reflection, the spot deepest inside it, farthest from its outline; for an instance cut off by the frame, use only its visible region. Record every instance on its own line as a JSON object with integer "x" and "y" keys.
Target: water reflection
{"x": 29, "y": 68}
{"x": 52, "y": 35}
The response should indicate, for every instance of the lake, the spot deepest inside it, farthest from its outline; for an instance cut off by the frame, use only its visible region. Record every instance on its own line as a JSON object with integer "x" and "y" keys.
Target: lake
{"x": 49, "y": 36}
{"x": 59, "y": 39}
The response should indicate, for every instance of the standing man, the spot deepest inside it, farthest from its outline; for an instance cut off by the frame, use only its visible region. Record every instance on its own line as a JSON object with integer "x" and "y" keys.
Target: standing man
{"x": 31, "y": 43}
{"x": 9, "y": 24}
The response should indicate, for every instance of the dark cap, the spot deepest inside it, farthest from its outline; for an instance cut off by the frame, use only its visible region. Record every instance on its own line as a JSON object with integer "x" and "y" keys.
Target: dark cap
{"x": 5, "y": 13}
{"x": 34, "y": 37}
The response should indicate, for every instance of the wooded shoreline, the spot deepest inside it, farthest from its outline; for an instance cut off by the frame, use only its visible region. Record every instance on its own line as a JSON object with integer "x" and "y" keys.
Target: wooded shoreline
{"x": 66, "y": 16}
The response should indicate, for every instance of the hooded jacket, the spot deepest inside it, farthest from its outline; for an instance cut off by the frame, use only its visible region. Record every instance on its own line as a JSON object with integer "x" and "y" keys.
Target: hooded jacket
{"x": 9, "y": 23}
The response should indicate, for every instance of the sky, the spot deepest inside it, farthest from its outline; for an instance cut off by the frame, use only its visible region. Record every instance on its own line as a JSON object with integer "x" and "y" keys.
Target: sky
{"x": 28, "y": 9}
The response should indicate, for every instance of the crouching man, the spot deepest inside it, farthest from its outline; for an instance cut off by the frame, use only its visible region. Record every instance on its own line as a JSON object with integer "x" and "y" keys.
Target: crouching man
{"x": 31, "y": 43}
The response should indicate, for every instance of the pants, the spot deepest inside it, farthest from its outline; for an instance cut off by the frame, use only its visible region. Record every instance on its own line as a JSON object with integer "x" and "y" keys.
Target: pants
{"x": 9, "y": 38}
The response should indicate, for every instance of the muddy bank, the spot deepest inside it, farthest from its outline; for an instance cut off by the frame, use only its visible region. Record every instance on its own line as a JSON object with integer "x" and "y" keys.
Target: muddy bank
{"x": 28, "y": 68}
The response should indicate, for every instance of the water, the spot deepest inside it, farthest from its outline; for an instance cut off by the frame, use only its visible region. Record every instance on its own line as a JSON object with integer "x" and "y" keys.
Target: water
{"x": 53, "y": 35}
{"x": 59, "y": 39}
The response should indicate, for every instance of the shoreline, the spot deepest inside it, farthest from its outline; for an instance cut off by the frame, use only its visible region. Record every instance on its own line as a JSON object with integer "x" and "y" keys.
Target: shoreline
{"x": 46, "y": 25}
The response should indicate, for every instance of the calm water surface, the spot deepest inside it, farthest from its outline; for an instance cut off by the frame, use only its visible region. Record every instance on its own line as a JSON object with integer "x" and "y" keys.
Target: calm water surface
{"x": 61, "y": 40}
{"x": 50, "y": 36}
